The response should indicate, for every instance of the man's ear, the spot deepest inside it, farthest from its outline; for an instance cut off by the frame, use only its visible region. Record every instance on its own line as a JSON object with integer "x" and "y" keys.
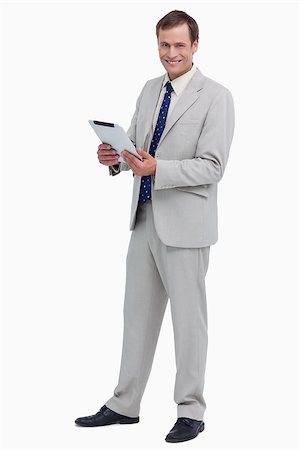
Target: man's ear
{"x": 195, "y": 45}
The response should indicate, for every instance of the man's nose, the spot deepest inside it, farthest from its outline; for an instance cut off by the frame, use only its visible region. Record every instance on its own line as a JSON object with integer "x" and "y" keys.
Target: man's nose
{"x": 172, "y": 53}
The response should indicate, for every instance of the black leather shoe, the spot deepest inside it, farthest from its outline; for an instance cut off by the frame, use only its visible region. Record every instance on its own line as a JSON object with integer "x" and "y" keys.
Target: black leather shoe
{"x": 105, "y": 416}
{"x": 185, "y": 429}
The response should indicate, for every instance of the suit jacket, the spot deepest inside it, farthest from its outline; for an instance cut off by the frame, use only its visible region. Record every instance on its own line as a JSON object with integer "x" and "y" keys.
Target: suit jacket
{"x": 191, "y": 158}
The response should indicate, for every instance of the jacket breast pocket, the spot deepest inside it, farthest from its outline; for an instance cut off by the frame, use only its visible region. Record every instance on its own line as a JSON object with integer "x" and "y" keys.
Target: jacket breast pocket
{"x": 189, "y": 133}
{"x": 198, "y": 190}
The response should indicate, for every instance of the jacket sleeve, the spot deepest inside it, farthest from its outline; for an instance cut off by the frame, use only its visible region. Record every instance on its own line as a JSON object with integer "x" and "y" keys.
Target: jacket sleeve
{"x": 131, "y": 132}
{"x": 212, "y": 149}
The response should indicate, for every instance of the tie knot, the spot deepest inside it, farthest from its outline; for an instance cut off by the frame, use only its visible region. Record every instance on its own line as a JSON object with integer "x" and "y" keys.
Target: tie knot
{"x": 169, "y": 88}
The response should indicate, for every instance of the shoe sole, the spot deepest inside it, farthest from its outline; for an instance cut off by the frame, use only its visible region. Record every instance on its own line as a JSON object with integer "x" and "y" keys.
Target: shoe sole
{"x": 120, "y": 421}
{"x": 188, "y": 439}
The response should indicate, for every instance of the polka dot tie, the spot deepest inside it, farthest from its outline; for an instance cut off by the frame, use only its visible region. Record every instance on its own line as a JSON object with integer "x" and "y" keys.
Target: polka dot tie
{"x": 145, "y": 190}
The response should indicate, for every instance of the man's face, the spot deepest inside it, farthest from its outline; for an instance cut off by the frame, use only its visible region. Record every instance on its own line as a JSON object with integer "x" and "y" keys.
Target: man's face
{"x": 175, "y": 50}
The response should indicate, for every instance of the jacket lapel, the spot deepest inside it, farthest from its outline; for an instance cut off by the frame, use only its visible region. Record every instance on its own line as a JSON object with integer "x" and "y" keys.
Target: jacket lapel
{"x": 187, "y": 98}
{"x": 154, "y": 93}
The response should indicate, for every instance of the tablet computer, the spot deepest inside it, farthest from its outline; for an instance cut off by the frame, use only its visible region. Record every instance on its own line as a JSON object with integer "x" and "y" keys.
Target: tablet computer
{"x": 114, "y": 135}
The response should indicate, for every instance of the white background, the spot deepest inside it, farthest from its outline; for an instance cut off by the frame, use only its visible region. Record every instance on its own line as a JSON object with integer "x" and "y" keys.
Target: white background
{"x": 66, "y": 225}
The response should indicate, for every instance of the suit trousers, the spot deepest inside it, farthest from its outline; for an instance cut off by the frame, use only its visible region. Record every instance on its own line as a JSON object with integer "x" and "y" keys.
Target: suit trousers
{"x": 155, "y": 273}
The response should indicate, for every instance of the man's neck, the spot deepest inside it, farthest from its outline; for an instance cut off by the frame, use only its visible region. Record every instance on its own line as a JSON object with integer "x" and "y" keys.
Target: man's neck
{"x": 171, "y": 79}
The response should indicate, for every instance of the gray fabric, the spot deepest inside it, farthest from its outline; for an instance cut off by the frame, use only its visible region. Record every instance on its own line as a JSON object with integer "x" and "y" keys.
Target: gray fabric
{"x": 191, "y": 159}
{"x": 154, "y": 273}
{"x": 168, "y": 253}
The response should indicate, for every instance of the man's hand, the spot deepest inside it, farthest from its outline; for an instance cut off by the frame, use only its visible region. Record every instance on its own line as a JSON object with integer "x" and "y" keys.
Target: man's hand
{"x": 107, "y": 155}
{"x": 141, "y": 168}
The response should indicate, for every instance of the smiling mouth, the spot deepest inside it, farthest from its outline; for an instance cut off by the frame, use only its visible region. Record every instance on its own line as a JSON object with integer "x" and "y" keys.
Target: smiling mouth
{"x": 173, "y": 63}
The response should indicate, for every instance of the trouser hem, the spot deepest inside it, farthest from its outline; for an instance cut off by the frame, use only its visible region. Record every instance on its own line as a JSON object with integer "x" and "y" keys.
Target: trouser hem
{"x": 192, "y": 412}
{"x": 112, "y": 404}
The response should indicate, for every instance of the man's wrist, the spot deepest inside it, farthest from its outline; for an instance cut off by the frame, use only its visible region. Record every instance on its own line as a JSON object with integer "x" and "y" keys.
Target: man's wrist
{"x": 115, "y": 167}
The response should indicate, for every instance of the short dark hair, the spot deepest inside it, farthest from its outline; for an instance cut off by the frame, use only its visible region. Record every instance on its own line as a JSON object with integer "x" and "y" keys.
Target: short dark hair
{"x": 174, "y": 18}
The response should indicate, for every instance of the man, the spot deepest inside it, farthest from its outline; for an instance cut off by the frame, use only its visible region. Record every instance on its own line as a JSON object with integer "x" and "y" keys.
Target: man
{"x": 183, "y": 128}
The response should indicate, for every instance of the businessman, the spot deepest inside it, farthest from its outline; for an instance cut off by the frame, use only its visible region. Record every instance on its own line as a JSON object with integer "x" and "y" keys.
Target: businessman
{"x": 183, "y": 128}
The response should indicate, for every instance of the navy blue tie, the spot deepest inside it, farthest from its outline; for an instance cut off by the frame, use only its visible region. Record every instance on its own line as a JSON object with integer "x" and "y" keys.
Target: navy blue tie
{"x": 145, "y": 190}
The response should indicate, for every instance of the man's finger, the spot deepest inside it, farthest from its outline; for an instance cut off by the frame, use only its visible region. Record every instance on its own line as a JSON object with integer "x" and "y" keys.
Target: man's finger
{"x": 108, "y": 158}
{"x": 142, "y": 152}
{"x": 128, "y": 161}
{"x": 130, "y": 156}
{"x": 107, "y": 152}
{"x": 133, "y": 161}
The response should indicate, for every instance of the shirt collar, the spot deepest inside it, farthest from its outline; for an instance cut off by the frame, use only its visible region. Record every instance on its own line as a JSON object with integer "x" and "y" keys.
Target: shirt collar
{"x": 179, "y": 83}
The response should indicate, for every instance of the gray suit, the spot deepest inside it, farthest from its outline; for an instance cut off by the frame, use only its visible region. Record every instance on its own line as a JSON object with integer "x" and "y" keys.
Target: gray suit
{"x": 168, "y": 253}
{"x": 191, "y": 159}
